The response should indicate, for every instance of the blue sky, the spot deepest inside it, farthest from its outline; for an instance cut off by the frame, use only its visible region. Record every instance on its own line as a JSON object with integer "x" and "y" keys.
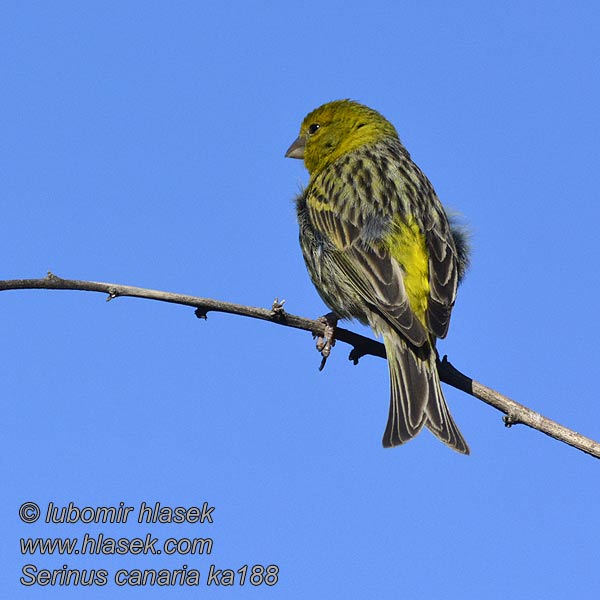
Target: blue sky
{"x": 142, "y": 144}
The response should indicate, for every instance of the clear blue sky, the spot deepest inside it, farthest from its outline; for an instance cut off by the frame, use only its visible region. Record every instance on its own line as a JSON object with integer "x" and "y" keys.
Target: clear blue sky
{"x": 142, "y": 143}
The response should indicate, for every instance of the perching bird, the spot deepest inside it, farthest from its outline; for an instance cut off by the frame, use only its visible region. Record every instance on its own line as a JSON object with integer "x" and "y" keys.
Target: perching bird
{"x": 379, "y": 248}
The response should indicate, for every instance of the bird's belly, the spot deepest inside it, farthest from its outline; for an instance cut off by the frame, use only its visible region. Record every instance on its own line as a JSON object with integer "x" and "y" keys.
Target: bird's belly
{"x": 335, "y": 289}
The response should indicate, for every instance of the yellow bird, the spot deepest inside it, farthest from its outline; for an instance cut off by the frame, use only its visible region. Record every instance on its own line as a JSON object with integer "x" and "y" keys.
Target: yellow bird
{"x": 379, "y": 247}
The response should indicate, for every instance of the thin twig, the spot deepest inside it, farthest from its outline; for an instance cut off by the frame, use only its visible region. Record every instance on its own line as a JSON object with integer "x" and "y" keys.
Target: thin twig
{"x": 361, "y": 346}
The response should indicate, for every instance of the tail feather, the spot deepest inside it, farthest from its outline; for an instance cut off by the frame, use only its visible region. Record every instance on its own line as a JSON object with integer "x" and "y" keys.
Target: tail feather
{"x": 439, "y": 419}
{"x": 416, "y": 398}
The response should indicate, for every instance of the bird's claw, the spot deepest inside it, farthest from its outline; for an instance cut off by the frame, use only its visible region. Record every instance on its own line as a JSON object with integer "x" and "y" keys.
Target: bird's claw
{"x": 326, "y": 341}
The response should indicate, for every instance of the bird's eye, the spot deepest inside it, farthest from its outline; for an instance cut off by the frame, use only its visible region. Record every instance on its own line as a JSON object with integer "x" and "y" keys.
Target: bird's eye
{"x": 313, "y": 128}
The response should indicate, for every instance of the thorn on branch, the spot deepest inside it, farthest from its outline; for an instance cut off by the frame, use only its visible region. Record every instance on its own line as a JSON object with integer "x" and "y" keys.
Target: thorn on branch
{"x": 51, "y": 276}
{"x": 510, "y": 420}
{"x": 112, "y": 294}
{"x": 278, "y": 310}
{"x": 356, "y": 354}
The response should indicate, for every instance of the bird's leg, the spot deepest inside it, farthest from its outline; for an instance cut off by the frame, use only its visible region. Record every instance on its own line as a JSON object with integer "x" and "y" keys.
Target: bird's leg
{"x": 326, "y": 341}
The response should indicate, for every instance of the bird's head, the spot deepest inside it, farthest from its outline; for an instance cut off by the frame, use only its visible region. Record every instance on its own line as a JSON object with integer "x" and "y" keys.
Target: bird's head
{"x": 335, "y": 129}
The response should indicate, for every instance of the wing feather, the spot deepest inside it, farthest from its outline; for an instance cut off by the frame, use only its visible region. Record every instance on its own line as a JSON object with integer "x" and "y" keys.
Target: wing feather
{"x": 443, "y": 281}
{"x": 368, "y": 269}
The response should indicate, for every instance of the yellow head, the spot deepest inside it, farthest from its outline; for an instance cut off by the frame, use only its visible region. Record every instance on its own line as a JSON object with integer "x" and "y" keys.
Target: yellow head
{"x": 335, "y": 129}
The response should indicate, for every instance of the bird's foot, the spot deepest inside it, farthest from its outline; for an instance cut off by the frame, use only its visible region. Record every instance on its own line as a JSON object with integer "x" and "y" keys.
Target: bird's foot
{"x": 326, "y": 341}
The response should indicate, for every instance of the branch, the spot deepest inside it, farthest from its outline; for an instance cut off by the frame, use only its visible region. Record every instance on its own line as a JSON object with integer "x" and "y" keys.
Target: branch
{"x": 515, "y": 413}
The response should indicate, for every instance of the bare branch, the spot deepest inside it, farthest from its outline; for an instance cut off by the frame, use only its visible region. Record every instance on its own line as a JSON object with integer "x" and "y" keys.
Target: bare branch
{"x": 516, "y": 413}
{"x": 361, "y": 346}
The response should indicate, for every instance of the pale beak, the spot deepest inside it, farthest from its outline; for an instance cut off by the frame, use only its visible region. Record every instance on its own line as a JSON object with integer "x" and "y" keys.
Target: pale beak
{"x": 296, "y": 150}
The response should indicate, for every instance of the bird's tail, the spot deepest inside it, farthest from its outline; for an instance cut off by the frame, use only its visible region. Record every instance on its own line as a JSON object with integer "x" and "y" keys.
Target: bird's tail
{"x": 416, "y": 396}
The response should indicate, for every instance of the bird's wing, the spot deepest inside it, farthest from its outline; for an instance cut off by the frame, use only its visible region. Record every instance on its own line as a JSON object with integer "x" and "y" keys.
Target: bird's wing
{"x": 443, "y": 271}
{"x": 417, "y": 199}
{"x": 368, "y": 268}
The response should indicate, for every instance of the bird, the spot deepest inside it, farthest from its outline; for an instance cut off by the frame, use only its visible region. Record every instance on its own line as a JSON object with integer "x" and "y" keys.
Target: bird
{"x": 380, "y": 248}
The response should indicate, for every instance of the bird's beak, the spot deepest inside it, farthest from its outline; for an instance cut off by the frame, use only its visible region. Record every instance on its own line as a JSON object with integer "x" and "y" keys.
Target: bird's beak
{"x": 296, "y": 150}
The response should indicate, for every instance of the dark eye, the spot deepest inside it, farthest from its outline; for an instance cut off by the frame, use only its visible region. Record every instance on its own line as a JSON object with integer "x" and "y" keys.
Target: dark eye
{"x": 313, "y": 128}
